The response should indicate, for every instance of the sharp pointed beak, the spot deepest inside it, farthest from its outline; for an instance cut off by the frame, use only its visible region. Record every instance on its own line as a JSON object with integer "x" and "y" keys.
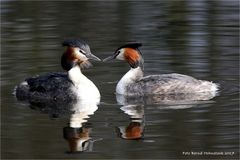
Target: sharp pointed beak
{"x": 93, "y": 57}
{"x": 109, "y": 58}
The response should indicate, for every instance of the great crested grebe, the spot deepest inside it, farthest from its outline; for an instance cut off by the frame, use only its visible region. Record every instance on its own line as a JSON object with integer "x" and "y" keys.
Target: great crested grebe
{"x": 134, "y": 84}
{"x": 60, "y": 86}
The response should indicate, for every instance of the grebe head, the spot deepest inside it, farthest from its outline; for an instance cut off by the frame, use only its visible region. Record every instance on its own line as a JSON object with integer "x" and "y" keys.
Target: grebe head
{"x": 77, "y": 53}
{"x": 130, "y": 53}
{"x": 78, "y": 138}
{"x": 133, "y": 131}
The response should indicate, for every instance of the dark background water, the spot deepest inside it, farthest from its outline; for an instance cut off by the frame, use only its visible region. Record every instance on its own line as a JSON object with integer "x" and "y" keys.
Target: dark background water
{"x": 197, "y": 38}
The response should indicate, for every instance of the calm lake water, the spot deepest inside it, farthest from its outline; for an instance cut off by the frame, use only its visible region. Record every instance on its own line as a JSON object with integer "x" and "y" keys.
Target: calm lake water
{"x": 197, "y": 38}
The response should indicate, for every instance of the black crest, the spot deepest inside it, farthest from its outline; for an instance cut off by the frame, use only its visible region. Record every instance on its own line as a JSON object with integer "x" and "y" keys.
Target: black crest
{"x": 77, "y": 43}
{"x": 133, "y": 45}
{"x": 74, "y": 43}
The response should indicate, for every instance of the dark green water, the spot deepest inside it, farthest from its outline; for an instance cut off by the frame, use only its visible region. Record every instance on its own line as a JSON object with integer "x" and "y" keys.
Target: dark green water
{"x": 197, "y": 38}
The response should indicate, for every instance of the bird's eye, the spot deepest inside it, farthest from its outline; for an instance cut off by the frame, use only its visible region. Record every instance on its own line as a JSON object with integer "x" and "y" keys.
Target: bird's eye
{"x": 116, "y": 54}
{"x": 82, "y": 51}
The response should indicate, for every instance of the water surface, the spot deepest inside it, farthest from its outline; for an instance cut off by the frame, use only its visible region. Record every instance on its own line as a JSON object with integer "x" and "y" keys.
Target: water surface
{"x": 197, "y": 38}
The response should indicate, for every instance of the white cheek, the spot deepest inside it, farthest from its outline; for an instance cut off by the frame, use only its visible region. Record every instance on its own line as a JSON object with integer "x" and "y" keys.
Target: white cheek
{"x": 81, "y": 56}
{"x": 121, "y": 55}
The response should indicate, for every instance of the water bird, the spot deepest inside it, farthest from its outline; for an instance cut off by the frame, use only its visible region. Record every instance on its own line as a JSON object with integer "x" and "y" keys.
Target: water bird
{"x": 63, "y": 86}
{"x": 133, "y": 83}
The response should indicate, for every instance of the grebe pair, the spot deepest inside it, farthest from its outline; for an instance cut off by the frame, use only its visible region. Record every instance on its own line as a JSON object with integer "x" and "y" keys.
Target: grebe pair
{"x": 75, "y": 86}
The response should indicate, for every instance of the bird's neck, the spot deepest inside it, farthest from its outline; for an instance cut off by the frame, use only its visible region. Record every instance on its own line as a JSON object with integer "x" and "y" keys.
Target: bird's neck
{"x": 131, "y": 76}
{"x": 75, "y": 75}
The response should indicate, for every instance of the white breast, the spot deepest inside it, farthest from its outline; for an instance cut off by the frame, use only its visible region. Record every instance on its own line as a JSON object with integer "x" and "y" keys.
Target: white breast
{"x": 87, "y": 91}
{"x": 130, "y": 77}
{"x": 83, "y": 87}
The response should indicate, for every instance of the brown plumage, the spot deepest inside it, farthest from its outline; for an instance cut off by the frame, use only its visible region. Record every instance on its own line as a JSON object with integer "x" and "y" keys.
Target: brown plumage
{"x": 132, "y": 57}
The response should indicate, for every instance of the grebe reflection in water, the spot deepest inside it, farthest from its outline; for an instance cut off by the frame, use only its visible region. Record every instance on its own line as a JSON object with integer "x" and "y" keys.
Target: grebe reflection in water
{"x": 77, "y": 133}
{"x": 135, "y": 129}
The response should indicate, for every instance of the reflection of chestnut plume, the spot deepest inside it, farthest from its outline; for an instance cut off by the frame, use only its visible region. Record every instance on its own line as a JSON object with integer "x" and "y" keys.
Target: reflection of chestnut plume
{"x": 78, "y": 138}
{"x": 77, "y": 134}
{"x": 133, "y": 131}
